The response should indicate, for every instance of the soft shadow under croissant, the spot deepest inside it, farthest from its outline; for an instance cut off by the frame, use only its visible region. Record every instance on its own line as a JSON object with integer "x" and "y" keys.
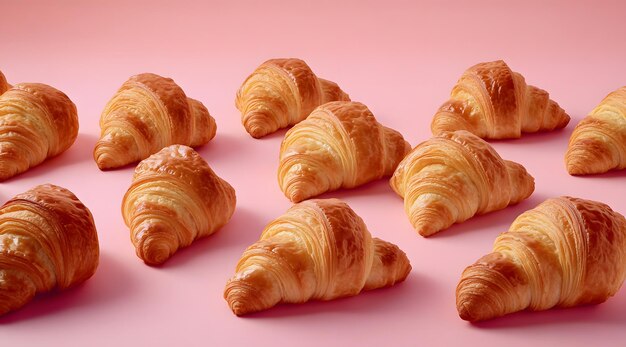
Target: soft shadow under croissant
{"x": 317, "y": 250}
{"x": 147, "y": 113}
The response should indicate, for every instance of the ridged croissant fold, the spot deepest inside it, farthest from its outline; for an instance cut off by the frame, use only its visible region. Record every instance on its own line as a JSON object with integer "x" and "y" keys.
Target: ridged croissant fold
{"x": 598, "y": 143}
{"x": 280, "y": 93}
{"x": 452, "y": 177}
{"x": 565, "y": 252}
{"x": 175, "y": 198}
{"x": 317, "y": 250}
{"x": 36, "y": 122}
{"x": 48, "y": 242}
{"x": 494, "y": 102}
{"x": 147, "y": 113}
{"x": 340, "y": 145}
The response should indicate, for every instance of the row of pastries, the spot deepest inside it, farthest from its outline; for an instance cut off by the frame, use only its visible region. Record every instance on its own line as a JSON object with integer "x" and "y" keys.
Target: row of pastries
{"x": 565, "y": 252}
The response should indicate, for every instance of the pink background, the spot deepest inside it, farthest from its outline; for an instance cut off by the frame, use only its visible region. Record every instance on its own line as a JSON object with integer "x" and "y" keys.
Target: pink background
{"x": 399, "y": 58}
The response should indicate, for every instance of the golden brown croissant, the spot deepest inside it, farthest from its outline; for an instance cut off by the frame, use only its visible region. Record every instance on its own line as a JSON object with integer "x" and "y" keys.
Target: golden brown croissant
{"x": 340, "y": 145}
{"x": 317, "y": 250}
{"x": 280, "y": 93}
{"x": 147, "y": 113}
{"x": 48, "y": 242}
{"x": 452, "y": 177}
{"x": 175, "y": 198}
{"x": 36, "y": 122}
{"x": 598, "y": 143}
{"x": 494, "y": 102}
{"x": 565, "y": 252}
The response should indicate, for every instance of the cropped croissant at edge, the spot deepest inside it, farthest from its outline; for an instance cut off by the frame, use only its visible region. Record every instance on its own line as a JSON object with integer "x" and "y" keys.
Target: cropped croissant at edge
{"x": 37, "y": 122}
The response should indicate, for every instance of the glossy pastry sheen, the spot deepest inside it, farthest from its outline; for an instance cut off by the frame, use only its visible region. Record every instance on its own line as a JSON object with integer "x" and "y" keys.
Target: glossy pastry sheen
{"x": 48, "y": 241}
{"x": 280, "y": 93}
{"x": 452, "y": 177}
{"x": 598, "y": 143}
{"x": 175, "y": 198}
{"x": 340, "y": 145}
{"x": 317, "y": 250}
{"x": 36, "y": 122}
{"x": 494, "y": 102}
{"x": 565, "y": 252}
{"x": 147, "y": 113}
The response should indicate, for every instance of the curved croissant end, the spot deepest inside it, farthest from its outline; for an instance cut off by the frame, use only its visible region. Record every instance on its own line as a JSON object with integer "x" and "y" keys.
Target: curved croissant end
{"x": 318, "y": 250}
{"x": 175, "y": 198}
{"x": 49, "y": 242}
{"x": 493, "y": 102}
{"x": 340, "y": 145}
{"x": 280, "y": 93}
{"x": 452, "y": 177}
{"x": 147, "y": 113}
{"x": 4, "y": 85}
{"x": 36, "y": 122}
{"x": 598, "y": 143}
{"x": 563, "y": 253}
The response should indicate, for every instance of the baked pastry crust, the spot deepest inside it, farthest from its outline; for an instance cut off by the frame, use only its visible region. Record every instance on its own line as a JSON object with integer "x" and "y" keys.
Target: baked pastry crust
{"x": 317, "y": 250}
{"x": 175, "y": 198}
{"x": 281, "y": 93}
{"x": 452, "y": 177}
{"x": 340, "y": 145}
{"x": 565, "y": 252}
{"x": 147, "y": 113}
{"x": 494, "y": 102}
{"x": 37, "y": 122}
{"x": 48, "y": 242}
{"x": 598, "y": 143}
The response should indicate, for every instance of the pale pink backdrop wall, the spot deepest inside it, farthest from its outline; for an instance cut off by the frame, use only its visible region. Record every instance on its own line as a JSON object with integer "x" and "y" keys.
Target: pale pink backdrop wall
{"x": 399, "y": 58}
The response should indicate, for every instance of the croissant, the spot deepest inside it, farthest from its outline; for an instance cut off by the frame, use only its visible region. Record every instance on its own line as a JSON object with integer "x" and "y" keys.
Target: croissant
{"x": 598, "y": 143}
{"x": 147, "y": 113}
{"x": 175, "y": 198}
{"x": 494, "y": 102}
{"x": 49, "y": 242}
{"x": 36, "y": 122}
{"x": 317, "y": 250}
{"x": 565, "y": 252}
{"x": 280, "y": 93}
{"x": 340, "y": 145}
{"x": 454, "y": 176}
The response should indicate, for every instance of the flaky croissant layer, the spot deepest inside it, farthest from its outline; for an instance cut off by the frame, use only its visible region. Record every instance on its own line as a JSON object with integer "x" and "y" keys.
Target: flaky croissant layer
{"x": 147, "y": 113}
{"x": 340, "y": 145}
{"x": 48, "y": 241}
{"x": 280, "y": 93}
{"x": 598, "y": 143}
{"x": 563, "y": 253}
{"x": 317, "y": 250}
{"x": 494, "y": 102}
{"x": 37, "y": 122}
{"x": 175, "y": 198}
{"x": 452, "y": 177}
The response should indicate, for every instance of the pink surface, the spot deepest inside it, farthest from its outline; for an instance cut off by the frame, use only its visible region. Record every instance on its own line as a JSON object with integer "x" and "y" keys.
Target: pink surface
{"x": 399, "y": 58}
